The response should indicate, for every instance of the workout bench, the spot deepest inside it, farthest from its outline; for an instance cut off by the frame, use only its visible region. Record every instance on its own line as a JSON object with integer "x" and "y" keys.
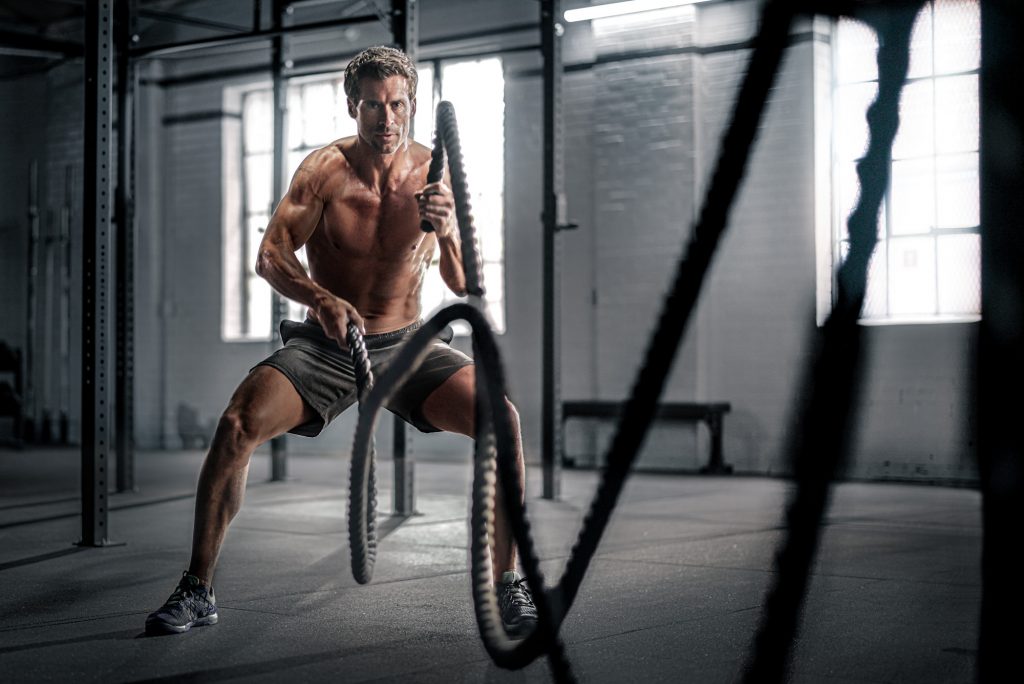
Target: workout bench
{"x": 711, "y": 414}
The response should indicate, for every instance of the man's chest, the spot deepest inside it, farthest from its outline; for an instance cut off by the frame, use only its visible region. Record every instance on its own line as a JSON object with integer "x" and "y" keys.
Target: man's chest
{"x": 359, "y": 223}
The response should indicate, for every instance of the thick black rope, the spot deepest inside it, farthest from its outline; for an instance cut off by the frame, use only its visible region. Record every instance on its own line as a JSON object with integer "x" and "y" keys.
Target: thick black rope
{"x": 820, "y": 445}
{"x": 769, "y": 47}
{"x": 362, "y": 502}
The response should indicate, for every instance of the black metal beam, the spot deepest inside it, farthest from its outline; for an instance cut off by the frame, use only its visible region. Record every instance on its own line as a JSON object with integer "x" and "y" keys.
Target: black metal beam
{"x": 476, "y": 35}
{"x": 551, "y": 46}
{"x": 405, "y": 34}
{"x": 96, "y": 244}
{"x": 164, "y": 49}
{"x": 1000, "y": 355}
{"x": 172, "y": 18}
{"x": 309, "y": 66}
{"x": 278, "y": 445}
{"x": 124, "y": 400}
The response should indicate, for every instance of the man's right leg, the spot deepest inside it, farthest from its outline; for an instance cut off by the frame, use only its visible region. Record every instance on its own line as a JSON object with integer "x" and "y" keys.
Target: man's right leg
{"x": 264, "y": 406}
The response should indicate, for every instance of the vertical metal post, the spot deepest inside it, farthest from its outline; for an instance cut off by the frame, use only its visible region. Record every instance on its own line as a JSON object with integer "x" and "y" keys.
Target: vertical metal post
{"x": 404, "y": 28}
{"x": 96, "y": 243}
{"x": 124, "y": 401}
{"x": 1000, "y": 361}
{"x": 405, "y": 473}
{"x": 278, "y": 445}
{"x": 554, "y": 208}
{"x": 27, "y": 429}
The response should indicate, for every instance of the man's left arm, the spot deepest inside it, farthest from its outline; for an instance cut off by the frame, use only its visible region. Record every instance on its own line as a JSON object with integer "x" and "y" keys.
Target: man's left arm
{"x": 437, "y": 205}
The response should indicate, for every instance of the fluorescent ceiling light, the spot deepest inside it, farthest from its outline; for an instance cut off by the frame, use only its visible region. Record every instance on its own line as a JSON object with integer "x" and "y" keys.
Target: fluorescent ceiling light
{"x": 617, "y": 9}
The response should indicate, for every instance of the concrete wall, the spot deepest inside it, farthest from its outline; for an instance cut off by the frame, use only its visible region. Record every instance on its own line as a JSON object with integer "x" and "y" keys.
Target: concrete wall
{"x": 644, "y": 105}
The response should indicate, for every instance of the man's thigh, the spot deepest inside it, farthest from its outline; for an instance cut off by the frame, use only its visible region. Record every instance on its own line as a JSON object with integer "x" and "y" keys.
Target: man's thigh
{"x": 269, "y": 404}
{"x": 443, "y": 370}
{"x": 450, "y": 406}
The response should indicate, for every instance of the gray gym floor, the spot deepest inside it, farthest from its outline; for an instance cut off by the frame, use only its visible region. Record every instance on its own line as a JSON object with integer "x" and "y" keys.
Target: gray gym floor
{"x": 674, "y": 594}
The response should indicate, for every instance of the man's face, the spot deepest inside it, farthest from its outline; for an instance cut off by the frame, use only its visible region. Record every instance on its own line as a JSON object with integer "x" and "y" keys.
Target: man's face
{"x": 383, "y": 113}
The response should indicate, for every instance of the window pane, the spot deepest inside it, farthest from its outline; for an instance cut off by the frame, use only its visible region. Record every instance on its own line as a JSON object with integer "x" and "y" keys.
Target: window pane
{"x": 915, "y": 137}
{"x": 851, "y": 119}
{"x": 957, "y": 191}
{"x": 258, "y": 182}
{"x": 494, "y": 282}
{"x": 956, "y": 114}
{"x": 294, "y": 117}
{"x": 256, "y": 225}
{"x": 846, "y": 192}
{"x": 257, "y": 122}
{"x": 876, "y": 299}
{"x": 856, "y": 44}
{"x": 921, "y": 45}
{"x": 345, "y": 124}
{"x": 318, "y": 104}
{"x": 913, "y": 196}
{"x": 259, "y": 307}
{"x": 848, "y": 189}
{"x": 958, "y": 33}
{"x": 424, "y": 122}
{"x": 959, "y": 274}
{"x": 477, "y": 90}
{"x": 295, "y": 158}
{"x": 912, "y": 276}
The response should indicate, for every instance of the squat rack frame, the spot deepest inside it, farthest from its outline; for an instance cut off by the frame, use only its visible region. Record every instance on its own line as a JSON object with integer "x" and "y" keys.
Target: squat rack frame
{"x": 109, "y": 234}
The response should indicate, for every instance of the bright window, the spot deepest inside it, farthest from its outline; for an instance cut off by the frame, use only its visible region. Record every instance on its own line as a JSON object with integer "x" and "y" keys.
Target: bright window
{"x": 926, "y": 265}
{"x": 317, "y": 115}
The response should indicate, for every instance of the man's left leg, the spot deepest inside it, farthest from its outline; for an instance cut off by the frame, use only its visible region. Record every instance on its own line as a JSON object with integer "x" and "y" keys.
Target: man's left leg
{"x": 450, "y": 408}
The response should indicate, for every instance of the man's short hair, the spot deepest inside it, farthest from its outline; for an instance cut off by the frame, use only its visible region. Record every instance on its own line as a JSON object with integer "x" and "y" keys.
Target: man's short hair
{"x": 379, "y": 62}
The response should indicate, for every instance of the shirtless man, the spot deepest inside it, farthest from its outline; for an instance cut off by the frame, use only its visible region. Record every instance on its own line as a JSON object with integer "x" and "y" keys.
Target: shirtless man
{"x": 357, "y": 206}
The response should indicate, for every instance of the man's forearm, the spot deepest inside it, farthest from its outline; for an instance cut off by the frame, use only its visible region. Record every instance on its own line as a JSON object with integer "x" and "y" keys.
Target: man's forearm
{"x": 282, "y": 269}
{"x": 450, "y": 264}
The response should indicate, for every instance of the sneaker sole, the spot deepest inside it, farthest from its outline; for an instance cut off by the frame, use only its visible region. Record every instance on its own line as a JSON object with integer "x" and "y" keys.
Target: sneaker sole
{"x": 519, "y": 630}
{"x": 161, "y": 627}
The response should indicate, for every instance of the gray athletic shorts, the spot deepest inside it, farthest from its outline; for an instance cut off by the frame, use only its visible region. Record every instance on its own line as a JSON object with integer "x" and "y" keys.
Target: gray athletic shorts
{"x": 323, "y": 375}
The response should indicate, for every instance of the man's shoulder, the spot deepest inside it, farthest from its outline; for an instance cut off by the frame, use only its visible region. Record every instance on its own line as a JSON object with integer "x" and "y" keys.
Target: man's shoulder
{"x": 419, "y": 153}
{"x": 327, "y": 162}
{"x": 331, "y": 155}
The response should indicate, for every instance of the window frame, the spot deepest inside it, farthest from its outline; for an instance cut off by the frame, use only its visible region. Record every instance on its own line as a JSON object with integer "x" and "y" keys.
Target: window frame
{"x": 303, "y": 147}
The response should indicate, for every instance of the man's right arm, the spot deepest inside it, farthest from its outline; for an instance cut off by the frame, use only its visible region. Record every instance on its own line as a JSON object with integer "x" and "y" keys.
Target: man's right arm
{"x": 290, "y": 227}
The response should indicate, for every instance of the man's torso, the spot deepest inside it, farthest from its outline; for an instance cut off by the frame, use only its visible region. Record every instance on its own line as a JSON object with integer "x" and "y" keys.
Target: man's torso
{"x": 367, "y": 247}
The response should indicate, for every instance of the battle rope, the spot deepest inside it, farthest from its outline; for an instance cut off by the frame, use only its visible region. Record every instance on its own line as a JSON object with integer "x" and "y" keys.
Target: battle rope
{"x": 825, "y": 415}
{"x": 493, "y": 427}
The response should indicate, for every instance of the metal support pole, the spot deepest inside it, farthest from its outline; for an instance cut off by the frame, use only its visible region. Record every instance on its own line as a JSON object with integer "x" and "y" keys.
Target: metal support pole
{"x": 278, "y": 445}
{"x": 404, "y": 28}
{"x": 553, "y": 219}
{"x": 1000, "y": 362}
{"x": 405, "y": 474}
{"x": 27, "y": 429}
{"x": 96, "y": 243}
{"x": 124, "y": 402}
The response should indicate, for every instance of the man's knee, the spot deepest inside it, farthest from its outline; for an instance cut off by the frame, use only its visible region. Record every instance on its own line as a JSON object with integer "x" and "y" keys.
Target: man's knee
{"x": 238, "y": 433}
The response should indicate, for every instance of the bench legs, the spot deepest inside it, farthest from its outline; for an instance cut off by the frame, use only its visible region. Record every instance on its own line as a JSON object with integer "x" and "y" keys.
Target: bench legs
{"x": 716, "y": 465}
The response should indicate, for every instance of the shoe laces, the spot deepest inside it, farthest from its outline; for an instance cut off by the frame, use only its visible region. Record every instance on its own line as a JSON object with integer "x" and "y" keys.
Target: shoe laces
{"x": 185, "y": 591}
{"x": 517, "y": 592}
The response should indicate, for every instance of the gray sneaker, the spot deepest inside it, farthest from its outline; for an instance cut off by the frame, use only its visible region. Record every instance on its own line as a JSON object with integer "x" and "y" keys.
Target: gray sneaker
{"x": 191, "y": 605}
{"x": 518, "y": 613}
